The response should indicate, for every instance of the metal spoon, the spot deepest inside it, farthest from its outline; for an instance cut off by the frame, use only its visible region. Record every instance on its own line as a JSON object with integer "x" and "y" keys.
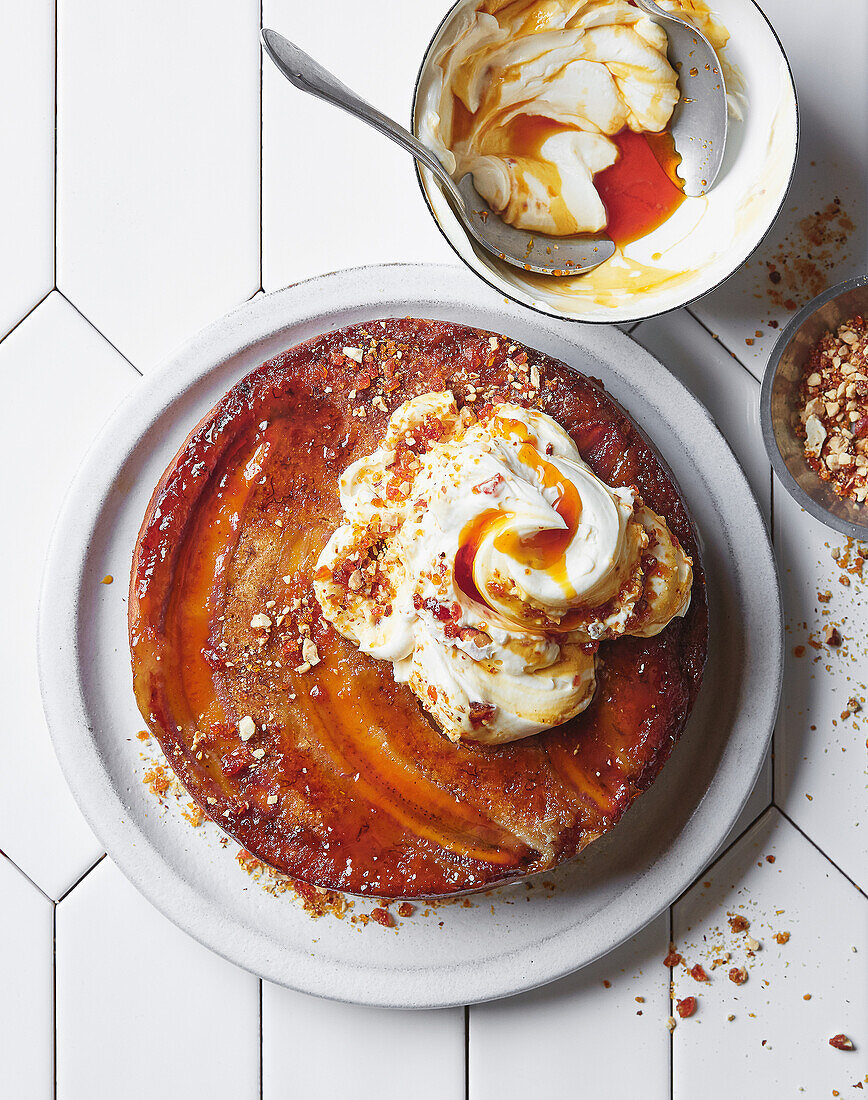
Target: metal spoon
{"x": 530, "y": 252}
{"x": 698, "y": 124}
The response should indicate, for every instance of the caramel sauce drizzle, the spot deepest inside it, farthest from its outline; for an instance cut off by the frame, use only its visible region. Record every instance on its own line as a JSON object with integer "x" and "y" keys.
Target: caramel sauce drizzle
{"x": 640, "y": 191}
{"x": 545, "y": 550}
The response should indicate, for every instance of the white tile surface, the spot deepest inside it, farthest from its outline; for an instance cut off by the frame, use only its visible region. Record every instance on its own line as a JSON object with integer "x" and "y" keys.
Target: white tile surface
{"x": 61, "y": 380}
{"x": 159, "y": 231}
{"x": 723, "y": 386}
{"x": 158, "y": 165}
{"x": 26, "y": 1000}
{"x": 143, "y": 1010}
{"x": 833, "y": 104}
{"x": 27, "y": 141}
{"x": 321, "y": 1049}
{"x": 578, "y": 1037}
{"x": 336, "y": 193}
{"x": 778, "y": 1043}
{"x": 820, "y": 761}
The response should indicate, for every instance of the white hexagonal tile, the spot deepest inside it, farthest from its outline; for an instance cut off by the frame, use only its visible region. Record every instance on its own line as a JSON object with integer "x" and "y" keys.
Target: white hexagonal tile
{"x": 730, "y": 394}
{"x": 61, "y": 380}
{"x": 579, "y": 1035}
{"x": 335, "y": 193}
{"x": 27, "y": 141}
{"x": 721, "y": 383}
{"x": 27, "y": 1001}
{"x": 317, "y": 1048}
{"x": 820, "y": 759}
{"x": 833, "y": 163}
{"x": 158, "y": 166}
{"x": 777, "y": 1043}
{"x": 142, "y": 1009}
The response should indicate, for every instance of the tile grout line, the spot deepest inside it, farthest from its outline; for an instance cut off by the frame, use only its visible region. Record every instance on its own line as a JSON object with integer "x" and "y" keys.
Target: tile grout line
{"x": 261, "y": 1083}
{"x": 467, "y": 1052}
{"x": 21, "y": 320}
{"x": 672, "y": 906}
{"x": 724, "y": 851}
{"x": 26, "y": 877}
{"x": 825, "y": 855}
{"x": 54, "y": 280}
{"x": 79, "y": 880}
{"x": 54, "y": 993}
{"x": 56, "y": 84}
{"x": 727, "y": 349}
{"x": 99, "y": 333}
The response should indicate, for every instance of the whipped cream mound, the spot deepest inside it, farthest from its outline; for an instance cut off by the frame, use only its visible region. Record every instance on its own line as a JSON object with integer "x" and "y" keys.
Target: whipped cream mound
{"x": 529, "y": 95}
{"x": 486, "y": 561}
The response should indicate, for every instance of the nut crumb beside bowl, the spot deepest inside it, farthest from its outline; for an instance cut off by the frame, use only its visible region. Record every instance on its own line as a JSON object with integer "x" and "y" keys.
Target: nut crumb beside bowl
{"x": 532, "y": 100}
{"x": 782, "y": 404}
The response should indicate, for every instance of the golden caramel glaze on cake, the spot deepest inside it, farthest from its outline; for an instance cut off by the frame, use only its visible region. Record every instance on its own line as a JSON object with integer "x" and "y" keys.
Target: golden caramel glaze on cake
{"x": 345, "y": 783}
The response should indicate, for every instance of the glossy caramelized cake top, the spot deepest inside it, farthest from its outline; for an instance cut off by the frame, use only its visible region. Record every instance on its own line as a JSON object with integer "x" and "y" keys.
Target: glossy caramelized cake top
{"x": 306, "y": 749}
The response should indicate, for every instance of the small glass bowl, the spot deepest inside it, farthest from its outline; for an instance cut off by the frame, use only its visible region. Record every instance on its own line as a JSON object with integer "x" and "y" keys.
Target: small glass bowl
{"x": 779, "y": 406}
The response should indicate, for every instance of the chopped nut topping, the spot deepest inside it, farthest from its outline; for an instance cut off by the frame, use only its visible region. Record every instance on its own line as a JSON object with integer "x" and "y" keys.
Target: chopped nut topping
{"x": 841, "y": 1042}
{"x": 834, "y": 414}
{"x": 685, "y": 1007}
{"x": 246, "y": 728}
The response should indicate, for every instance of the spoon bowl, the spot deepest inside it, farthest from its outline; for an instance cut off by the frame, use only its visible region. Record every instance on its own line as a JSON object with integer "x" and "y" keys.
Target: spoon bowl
{"x": 530, "y": 251}
{"x": 699, "y": 121}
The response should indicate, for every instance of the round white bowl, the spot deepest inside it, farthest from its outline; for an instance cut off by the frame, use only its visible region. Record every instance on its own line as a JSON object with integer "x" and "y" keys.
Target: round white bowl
{"x": 706, "y": 239}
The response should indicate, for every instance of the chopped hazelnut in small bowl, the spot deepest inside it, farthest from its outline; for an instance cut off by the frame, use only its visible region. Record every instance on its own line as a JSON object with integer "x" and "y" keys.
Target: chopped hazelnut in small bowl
{"x": 814, "y": 407}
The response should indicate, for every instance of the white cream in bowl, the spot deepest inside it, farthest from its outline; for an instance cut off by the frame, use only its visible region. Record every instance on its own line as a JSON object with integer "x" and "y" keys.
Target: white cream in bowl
{"x": 705, "y": 239}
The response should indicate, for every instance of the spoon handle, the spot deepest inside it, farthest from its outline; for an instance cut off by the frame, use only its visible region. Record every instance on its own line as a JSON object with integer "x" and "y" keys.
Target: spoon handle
{"x": 307, "y": 75}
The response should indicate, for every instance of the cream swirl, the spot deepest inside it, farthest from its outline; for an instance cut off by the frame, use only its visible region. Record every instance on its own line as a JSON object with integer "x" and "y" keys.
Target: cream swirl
{"x": 531, "y": 92}
{"x": 486, "y": 560}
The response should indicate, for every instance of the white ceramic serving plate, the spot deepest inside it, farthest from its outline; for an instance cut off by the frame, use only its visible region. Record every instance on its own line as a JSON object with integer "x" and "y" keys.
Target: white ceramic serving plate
{"x": 495, "y": 947}
{"x": 706, "y": 239}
